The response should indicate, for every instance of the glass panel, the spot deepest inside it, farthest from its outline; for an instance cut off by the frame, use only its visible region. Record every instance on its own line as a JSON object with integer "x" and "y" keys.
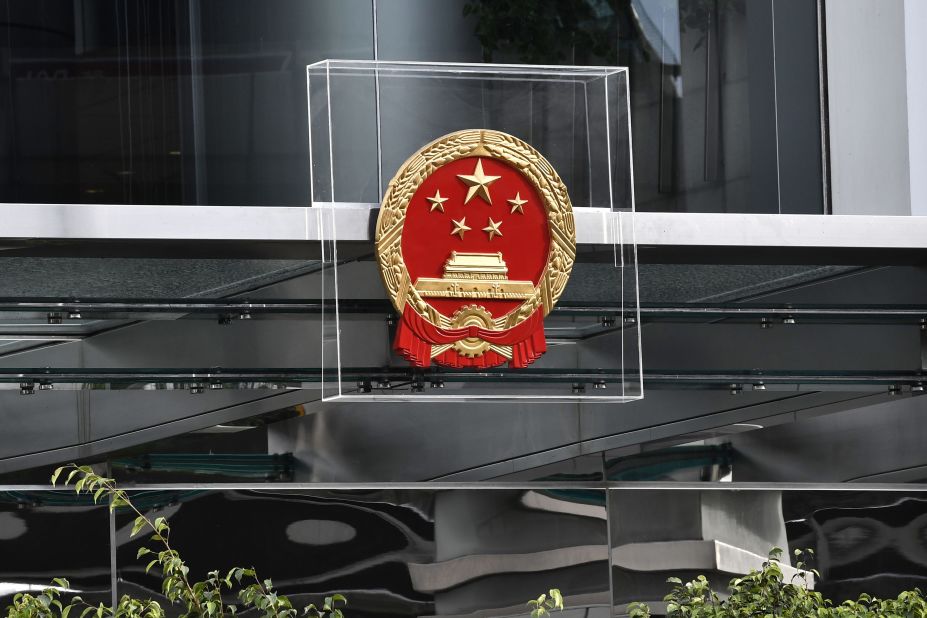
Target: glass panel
{"x": 725, "y": 95}
{"x": 392, "y": 552}
{"x": 476, "y": 551}
{"x": 45, "y": 534}
{"x": 198, "y": 102}
{"x": 93, "y": 100}
{"x": 863, "y": 541}
{"x": 201, "y": 102}
{"x": 251, "y": 119}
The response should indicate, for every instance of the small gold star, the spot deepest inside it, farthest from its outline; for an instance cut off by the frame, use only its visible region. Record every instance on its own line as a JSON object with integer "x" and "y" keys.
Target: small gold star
{"x": 517, "y": 203}
{"x": 460, "y": 227}
{"x": 478, "y": 183}
{"x": 437, "y": 202}
{"x": 493, "y": 228}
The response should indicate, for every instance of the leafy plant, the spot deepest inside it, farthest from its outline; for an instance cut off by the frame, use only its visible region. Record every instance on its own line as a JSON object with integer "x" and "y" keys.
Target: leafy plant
{"x": 47, "y": 604}
{"x": 766, "y": 594}
{"x": 542, "y": 605}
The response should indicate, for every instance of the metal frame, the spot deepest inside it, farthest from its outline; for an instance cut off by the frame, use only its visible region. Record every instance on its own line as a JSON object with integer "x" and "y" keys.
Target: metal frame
{"x": 172, "y": 309}
{"x": 392, "y": 378}
{"x": 503, "y": 485}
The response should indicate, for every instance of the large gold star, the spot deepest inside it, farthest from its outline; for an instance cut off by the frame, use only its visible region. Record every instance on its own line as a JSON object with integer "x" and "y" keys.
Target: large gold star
{"x": 517, "y": 203}
{"x": 478, "y": 183}
{"x": 437, "y": 202}
{"x": 493, "y": 228}
{"x": 460, "y": 227}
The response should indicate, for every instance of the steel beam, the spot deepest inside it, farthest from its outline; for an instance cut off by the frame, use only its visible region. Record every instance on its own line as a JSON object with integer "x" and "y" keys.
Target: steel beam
{"x": 282, "y": 231}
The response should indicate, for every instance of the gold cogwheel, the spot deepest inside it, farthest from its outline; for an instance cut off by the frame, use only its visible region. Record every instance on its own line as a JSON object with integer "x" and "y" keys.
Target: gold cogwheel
{"x": 471, "y": 315}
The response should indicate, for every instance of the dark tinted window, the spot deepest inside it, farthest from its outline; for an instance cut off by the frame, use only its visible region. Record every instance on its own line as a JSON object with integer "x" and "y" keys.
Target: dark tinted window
{"x": 203, "y": 101}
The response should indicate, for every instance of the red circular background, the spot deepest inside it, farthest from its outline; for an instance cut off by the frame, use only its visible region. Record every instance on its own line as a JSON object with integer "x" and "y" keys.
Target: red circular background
{"x": 427, "y": 241}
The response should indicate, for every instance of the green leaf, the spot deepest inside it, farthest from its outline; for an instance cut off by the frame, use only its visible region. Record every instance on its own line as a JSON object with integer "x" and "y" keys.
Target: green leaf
{"x": 556, "y": 598}
{"x": 159, "y": 524}
{"x": 137, "y": 525}
{"x": 55, "y": 475}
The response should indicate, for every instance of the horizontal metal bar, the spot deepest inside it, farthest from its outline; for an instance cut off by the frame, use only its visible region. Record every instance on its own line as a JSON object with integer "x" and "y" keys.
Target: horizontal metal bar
{"x": 296, "y": 377}
{"x": 902, "y": 488}
{"x": 170, "y": 308}
{"x": 38, "y": 337}
{"x": 354, "y": 222}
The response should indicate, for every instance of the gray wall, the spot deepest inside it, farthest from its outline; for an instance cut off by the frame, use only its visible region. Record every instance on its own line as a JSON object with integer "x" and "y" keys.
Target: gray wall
{"x": 868, "y": 107}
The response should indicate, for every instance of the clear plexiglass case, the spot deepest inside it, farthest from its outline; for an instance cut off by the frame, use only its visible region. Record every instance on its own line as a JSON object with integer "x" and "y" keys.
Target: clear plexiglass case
{"x": 366, "y": 118}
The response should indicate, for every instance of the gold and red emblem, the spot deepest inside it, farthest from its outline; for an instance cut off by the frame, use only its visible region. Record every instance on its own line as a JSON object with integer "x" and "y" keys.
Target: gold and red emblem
{"x": 475, "y": 241}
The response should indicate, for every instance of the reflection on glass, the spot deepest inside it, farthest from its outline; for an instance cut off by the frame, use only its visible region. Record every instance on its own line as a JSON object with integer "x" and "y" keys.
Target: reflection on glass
{"x": 476, "y": 552}
{"x": 395, "y": 553}
{"x": 722, "y": 123}
{"x": 44, "y": 535}
{"x": 688, "y": 462}
{"x": 656, "y": 534}
{"x": 864, "y": 541}
{"x": 160, "y": 102}
{"x": 165, "y": 103}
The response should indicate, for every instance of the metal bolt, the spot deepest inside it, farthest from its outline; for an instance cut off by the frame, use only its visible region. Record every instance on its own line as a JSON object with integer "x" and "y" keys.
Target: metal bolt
{"x": 417, "y": 386}
{"x": 578, "y": 389}
{"x": 765, "y": 323}
{"x": 788, "y": 320}
{"x": 630, "y": 319}
{"x": 759, "y": 386}
{"x": 216, "y": 386}
{"x": 54, "y": 318}
{"x": 917, "y": 387}
{"x": 607, "y": 321}
{"x": 197, "y": 389}
{"x": 363, "y": 386}
{"x": 600, "y": 385}
{"x": 27, "y": 388}
{"x": 391, "y": 320}
{"x": 244, "y": 315}
{"x": 894, "y": 390}
{"x": 383, "y": 384}
{"x": 73, "y": 315}
{"x": 437, "y": 384}
{"x": 46, "y": 386}
{"x": 736, "y": 389}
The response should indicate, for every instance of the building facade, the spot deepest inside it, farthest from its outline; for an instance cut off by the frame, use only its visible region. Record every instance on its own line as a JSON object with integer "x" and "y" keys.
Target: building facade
{"x": 170, "y": 309}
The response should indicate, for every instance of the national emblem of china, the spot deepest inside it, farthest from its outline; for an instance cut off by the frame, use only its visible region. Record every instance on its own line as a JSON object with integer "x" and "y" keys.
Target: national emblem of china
{"x": 475, "y": 241}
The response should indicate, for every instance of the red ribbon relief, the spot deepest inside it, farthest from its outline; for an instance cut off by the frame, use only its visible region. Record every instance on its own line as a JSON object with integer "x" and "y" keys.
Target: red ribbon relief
{"x": 415, "y": 336}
